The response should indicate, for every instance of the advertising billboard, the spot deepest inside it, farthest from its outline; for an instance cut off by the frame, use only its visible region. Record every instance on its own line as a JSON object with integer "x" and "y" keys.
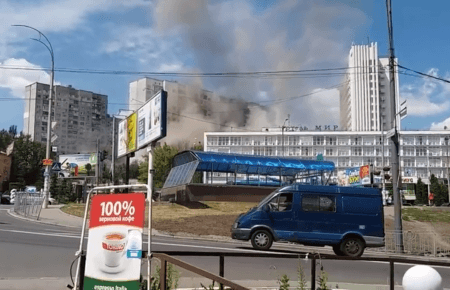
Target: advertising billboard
{"x": 77, "y": 165}
{"x": 354, "y": 176}
{"x": 127, "y": 135}
{"x": 147, "y": 124}
{"x": 152, "y": 120}
{"x": 114, "y": 249}
{"x": 131, "y": 133}
{"x": 122, "y": 138}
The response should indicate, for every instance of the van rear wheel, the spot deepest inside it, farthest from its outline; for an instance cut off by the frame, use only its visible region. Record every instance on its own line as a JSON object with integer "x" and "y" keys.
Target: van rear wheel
{"x": 262, "y": 240}
{"x": 352, "y": 247}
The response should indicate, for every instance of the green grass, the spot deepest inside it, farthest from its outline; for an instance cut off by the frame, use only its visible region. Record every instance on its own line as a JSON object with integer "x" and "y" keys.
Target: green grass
{"x": 76, "y": 209}
{"x": 175, "y": 211}
{"x": 425, "y": 215}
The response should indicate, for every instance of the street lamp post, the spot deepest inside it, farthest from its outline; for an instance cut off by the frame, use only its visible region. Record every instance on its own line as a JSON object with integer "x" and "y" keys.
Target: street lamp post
{"x": 48, "y": 45}
{"x": 448, "y": 173}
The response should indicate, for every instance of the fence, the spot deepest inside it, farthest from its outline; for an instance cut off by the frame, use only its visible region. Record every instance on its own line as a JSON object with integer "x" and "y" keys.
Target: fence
{"x": 419, "y": 244}
{"x": 166, "y": 256}
{"x": 28, "y": 204}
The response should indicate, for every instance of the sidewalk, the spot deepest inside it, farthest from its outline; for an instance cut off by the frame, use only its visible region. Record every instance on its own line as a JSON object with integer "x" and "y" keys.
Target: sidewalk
{"x": 50, "y": 283}
{"x": 54, "y": 216}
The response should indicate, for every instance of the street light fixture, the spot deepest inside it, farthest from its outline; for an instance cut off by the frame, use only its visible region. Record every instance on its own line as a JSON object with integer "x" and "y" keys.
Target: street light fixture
{"x": 49, "y": 47}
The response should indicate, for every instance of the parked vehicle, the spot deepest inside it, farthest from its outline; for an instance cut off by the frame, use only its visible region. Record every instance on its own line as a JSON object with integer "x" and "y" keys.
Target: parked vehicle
{"x": 347, "y": 218}
{"x": 5, "y": 198}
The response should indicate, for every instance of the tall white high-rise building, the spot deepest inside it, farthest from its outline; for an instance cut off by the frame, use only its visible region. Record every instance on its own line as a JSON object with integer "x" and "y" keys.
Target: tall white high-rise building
{"x": 365, "y": 101}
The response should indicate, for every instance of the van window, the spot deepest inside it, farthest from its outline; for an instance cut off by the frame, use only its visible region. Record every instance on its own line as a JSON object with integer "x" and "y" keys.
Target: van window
{"x": 282, "y": 202}
{"x": 361, "y": 205}
{"x": 318, "y": 203}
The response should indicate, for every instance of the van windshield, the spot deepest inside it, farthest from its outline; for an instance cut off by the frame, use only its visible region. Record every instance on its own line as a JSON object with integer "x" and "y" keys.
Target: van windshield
{"x": 268, "y": 197}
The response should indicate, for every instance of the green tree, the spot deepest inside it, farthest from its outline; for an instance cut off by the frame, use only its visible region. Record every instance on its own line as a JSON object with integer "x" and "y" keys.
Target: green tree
{"x": 66, "y": 191}
{"x": 54, "y": 186}
{"x": 143, "y": 172}
{"x": 5, "y": 139}
{"x": 162, "y": 163}
{"x": 27, "y": 160}
{"x": 421, "y": 192}
{"x": 439, "y": 191}
{"x": 134, "y": 170}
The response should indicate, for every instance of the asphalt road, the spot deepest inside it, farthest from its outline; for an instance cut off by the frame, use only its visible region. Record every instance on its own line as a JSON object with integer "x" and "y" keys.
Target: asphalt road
{"x": 34, "y": 250}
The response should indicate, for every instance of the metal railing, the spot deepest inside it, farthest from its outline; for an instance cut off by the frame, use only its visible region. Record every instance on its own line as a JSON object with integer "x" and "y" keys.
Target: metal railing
{"x": 28, "y": 204}
{"x": 419, "y": 244}
{"x": 165, "y": 256}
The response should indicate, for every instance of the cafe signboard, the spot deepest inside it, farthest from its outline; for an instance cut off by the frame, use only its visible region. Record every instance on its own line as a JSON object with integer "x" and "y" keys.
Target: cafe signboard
{"x": 114, "y": 250}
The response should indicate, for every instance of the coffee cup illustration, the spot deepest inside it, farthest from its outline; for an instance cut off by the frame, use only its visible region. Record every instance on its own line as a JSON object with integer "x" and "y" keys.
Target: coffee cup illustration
{"x": 114, "y": 247}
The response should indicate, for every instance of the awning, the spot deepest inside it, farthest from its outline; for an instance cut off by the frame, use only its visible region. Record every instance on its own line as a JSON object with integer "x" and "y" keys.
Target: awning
{"x": 187, "y": 162}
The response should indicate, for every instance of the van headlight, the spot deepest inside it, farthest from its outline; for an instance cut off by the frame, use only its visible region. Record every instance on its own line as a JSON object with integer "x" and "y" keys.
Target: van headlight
{"x": 235, "y": 225}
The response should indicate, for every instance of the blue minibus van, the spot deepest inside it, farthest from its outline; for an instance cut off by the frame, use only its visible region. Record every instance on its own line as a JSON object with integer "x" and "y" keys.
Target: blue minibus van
{"x": 347, "y": 218}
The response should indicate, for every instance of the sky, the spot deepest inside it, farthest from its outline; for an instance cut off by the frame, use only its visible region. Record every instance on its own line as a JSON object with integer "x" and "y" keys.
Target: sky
{"x": 199, "y": 36}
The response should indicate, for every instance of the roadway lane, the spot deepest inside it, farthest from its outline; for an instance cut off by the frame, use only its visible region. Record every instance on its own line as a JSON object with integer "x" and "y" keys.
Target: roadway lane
{"x": 36, "y": 250}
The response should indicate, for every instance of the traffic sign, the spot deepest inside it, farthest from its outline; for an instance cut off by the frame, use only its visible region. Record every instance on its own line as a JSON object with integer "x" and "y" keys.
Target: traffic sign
{"x": 56, "y": 166}
{"x": 390, "y": 133}
{"x": 47, "y": 162}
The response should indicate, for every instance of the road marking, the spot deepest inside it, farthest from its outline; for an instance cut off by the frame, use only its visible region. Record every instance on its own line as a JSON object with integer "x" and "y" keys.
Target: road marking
{"x": 192, "y": 246}
{"x": 40, "y": 234}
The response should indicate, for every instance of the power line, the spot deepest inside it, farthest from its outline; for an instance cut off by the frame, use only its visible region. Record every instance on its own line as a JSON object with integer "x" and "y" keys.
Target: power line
{"x": 287, "y": 74}
{"x": 424, "y": 74}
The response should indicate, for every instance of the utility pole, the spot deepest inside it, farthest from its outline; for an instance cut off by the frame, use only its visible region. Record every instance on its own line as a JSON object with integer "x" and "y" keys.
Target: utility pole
{"x": 398, "y": 238}
{"x": 97, "y": 169}
{"x": 113, "y": 153}
{"x": 382, "y": 160}
{"x": 49, "y": 47}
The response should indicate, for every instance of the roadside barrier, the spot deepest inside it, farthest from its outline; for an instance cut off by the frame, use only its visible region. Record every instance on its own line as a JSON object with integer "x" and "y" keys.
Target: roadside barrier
{"x": 315, "y": 258}
{"x": 418, "y": 243}
{"x": 28, "y": 204}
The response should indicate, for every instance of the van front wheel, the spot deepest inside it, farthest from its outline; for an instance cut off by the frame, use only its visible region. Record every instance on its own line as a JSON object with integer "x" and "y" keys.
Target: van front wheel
{"x": 262, "y": 240}
{"x": 352, "y": 247}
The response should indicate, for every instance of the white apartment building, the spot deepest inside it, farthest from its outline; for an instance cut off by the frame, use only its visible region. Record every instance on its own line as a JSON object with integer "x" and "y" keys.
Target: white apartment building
{"x": 79, "y": 118}
{"x": 365, "y": 100}
{"x": 422, "y": 153}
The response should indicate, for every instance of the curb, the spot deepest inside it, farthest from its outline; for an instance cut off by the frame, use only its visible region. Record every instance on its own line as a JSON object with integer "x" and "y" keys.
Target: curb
{"x": 13, "y": 214}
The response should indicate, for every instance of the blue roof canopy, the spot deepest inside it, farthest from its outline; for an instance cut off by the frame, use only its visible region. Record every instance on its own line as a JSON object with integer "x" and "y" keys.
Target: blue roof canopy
{"x": 251, "y": 164}
{"x": 187, "y": 162}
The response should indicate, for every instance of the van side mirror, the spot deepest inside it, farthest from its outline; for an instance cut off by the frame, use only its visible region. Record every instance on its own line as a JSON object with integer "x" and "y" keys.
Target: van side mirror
{"x": 266, "y": 208}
